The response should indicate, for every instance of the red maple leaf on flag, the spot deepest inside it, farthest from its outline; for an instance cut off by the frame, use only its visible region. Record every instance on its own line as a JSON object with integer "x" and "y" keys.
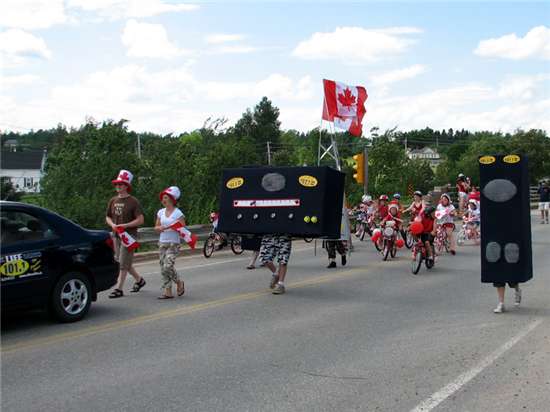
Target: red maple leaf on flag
{"x": 124, "y": 239}
{"x": 124, "y": 176}
{"x": 347, "y": 99}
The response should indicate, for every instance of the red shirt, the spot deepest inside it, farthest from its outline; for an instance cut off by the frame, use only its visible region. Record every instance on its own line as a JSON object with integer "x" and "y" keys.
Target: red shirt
{"x": 389, "y": 218}
{"x": 474, "y": 195}
{"x": 427, "y": 223}
{"x": 461, "y": 187}
{"x": 382, "y": 211}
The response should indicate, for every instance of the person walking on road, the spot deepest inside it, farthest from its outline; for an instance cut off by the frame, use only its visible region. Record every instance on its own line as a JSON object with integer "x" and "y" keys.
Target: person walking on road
{"x": 544, "y": 201}
{"x": 332, "y": 246}
{"x": 501, "y": 288}
{"x": 169, "y": 241}
{"x": 276, "y": 246}
{"x": 124, "y": 215}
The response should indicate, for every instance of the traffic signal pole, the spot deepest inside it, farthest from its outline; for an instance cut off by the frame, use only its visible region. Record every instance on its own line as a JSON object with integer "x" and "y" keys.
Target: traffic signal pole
{"x": 365, "y": 170}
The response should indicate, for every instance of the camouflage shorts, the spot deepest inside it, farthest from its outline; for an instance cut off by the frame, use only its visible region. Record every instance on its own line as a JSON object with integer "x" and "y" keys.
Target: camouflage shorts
{"x": 168, "y": 252}
{"x": 276, "y": 247}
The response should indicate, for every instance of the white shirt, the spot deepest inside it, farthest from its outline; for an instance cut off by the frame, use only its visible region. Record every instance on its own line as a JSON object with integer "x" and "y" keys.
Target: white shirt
{"x": 447, "y": 218}
{"x": 169, "y": 236}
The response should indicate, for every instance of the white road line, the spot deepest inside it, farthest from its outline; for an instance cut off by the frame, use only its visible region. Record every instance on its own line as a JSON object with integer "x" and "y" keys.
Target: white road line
{"x": 442, "y": 394}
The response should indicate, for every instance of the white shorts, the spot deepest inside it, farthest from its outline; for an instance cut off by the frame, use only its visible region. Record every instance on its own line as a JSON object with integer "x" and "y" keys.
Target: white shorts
{"x": 544, "y": 205}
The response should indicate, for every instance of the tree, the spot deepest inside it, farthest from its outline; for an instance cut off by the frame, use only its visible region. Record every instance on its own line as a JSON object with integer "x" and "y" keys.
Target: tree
{"x": 7, "y": 191}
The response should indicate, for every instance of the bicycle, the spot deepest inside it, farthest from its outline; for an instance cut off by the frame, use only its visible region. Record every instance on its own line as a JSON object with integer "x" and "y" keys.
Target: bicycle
{"x": 389, "y": 235}
{"x": 217, "y": 241}
{"x": 441, "y": 240}
{"x": 420, "y": 253}
{"x": 469, "y": 231}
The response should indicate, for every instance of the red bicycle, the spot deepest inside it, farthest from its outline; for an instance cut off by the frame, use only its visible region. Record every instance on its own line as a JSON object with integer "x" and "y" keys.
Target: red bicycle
{"x": 419, "y": 254}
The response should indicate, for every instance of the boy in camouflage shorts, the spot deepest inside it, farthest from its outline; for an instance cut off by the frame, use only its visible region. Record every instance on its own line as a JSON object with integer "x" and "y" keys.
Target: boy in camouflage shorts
{"x": 276, "y": 246}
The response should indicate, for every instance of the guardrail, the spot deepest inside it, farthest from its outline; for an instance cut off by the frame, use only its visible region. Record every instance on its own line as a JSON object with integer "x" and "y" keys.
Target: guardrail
{"x": 148, "y": 235}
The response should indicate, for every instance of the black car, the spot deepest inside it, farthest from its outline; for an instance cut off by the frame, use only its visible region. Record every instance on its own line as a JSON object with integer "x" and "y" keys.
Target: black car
{"x": 50, "y": 262}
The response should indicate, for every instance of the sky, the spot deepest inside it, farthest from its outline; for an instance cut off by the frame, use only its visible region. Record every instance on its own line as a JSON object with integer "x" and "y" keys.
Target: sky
{"x": 166, "y": 66}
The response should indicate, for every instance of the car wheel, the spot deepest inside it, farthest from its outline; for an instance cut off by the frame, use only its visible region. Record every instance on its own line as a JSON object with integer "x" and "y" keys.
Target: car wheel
{"x": 72, "y": 297}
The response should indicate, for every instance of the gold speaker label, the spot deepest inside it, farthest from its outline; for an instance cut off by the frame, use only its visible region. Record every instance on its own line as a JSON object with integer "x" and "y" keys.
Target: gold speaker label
{"x": 511, "y": 159}
{"x": 234, "y": 182}
{"x": 308, "y": 181}
{"x": 487, "y": 160}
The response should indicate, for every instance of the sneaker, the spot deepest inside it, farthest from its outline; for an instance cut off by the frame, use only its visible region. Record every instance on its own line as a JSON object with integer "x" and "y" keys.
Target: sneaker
{"x": 331, "y": 265}
{"x": 517, "y": 297}
{"x": 279, "y": 289}
{"x": 344, "y": 260}
{"x": 499, "y": 308}
{"x": 274, "y": 280}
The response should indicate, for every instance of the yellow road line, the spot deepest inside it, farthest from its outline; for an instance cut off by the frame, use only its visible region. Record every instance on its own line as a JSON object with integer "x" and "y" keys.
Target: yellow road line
{"x": 93, "y": 330}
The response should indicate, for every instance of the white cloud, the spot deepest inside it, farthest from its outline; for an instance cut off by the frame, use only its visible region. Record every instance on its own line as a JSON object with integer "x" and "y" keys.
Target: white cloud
{"x": 172, "y": 100}
{"x": 8, "y": 82}
{"x": 18, "y": 46}
{"x": 355, "y": 44}
{"x": 32, "y": 14}
{"x": 238, "y": 49}
{"x": 472, "y": 107}
{"x": 399, "y": 74}
{"x": 523, "y": 87}
{"x": 223, "y": 38}
{"x": 535, "y": 44}
{"x": 119, "y": 9}
{"x": 149, "y": 40}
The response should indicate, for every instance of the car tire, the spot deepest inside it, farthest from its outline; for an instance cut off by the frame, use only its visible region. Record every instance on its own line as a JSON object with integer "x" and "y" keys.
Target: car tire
{"x": 71, "y": 297}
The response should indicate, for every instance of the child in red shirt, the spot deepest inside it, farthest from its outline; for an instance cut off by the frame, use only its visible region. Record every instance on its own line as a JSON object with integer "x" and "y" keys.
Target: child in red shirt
{"x": 382, "y": 207}
{"x": 428, "y": 232}
{"x": 393, "y": 216}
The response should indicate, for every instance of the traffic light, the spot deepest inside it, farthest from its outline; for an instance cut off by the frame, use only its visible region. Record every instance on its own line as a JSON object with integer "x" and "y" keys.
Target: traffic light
{"x": 359, "y": 167}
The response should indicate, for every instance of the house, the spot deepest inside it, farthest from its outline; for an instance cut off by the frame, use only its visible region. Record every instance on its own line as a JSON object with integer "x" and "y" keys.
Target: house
{"x": 24, "y": 168}
{"x": 10, "y": 144}
{"x": 426, "y": 153}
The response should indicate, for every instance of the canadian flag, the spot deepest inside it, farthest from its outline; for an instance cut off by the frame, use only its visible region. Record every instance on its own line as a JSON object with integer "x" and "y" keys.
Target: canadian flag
{"x": 127, "y": 241}
{"x": 185, "y": 234}
{"x": 344, "y": 106}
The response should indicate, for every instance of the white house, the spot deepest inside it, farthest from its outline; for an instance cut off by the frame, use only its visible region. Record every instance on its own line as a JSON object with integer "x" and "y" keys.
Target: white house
{"x": 426, "y": 153}
{"x": 24, "y": 168}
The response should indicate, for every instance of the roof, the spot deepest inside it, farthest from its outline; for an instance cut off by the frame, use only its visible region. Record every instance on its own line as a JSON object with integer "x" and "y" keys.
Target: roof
{"x": 27, "y": 159}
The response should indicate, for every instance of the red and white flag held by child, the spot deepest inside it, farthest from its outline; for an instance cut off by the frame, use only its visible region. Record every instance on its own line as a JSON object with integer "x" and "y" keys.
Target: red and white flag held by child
{"x": 127, "y": 241}
{"x": 344, "y": 106}
{"x": 185, "y": 234}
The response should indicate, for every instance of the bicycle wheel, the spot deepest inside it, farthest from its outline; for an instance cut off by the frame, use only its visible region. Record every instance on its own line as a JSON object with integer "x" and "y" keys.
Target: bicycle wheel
{"x": 236, "y": 245}
{"x": 409, "y": 240}
{"x": 393, "y": 250}
{"x": 379, "y": 245}
{"x": 386, "y": 252}
{"x": 209, "y": 246}
{"x": 417, "y": 261}
{"x": 447, "y": 244}
{"x": 429, "y": 263}
{"x": 461, "y": 238}
{"x": 363, "y": 231}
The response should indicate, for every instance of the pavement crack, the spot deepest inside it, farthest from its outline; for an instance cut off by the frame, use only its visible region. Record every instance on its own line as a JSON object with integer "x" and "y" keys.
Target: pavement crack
{"x": 321, "y": 375}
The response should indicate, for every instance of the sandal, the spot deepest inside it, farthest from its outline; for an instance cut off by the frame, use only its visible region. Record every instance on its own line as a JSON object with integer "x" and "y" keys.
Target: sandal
{"x": 164, "y": 297}
{"x": 138, "y": 285}
{"x": 182, "y": 290}
{"x": 117, "y": 293}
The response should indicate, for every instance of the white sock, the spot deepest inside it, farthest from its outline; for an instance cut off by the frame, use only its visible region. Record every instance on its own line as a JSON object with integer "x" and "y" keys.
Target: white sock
{"x": 281, "y": 283}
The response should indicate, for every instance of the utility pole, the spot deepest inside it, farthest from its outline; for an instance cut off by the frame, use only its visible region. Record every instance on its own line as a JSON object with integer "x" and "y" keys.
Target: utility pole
{"x": 268, "y": 153}
{"x": 366, "y": 170}
{"x": 138, "y": 146}
{"x": 405, "y": 144}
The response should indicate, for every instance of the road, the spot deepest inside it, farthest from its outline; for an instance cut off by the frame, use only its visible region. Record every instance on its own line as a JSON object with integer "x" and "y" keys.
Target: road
{"x": 369, "y": 336}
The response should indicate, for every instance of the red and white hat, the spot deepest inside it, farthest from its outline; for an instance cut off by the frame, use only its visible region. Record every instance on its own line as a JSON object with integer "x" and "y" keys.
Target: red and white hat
{"x": 393, "y": 206}
{"x": 173, "y": 192}
{"x": 124, "y": 177}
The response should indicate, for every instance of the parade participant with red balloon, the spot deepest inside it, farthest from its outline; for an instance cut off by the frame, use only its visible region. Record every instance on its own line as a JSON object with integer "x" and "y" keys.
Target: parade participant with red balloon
{"x": 426, "y": 229}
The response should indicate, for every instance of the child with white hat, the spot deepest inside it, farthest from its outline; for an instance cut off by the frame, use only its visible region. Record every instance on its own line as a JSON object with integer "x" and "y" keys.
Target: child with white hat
{"x": 169, "y": 242}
